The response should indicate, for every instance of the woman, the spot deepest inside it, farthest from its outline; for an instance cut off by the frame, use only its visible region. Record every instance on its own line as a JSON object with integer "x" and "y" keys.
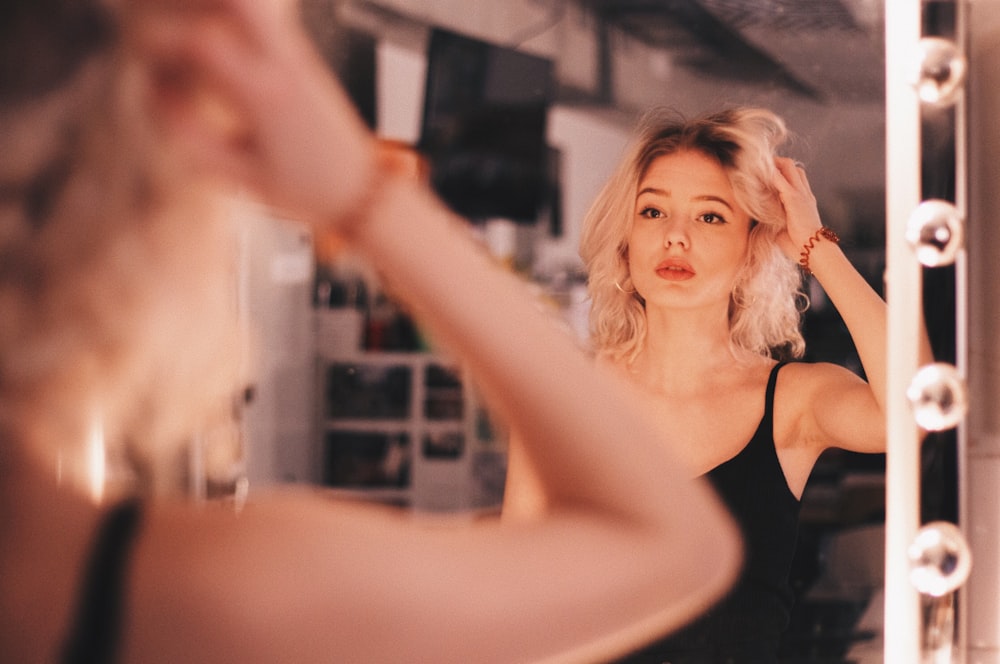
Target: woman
{"x": 125, "y": 130}
{"x": 694, "y": 250}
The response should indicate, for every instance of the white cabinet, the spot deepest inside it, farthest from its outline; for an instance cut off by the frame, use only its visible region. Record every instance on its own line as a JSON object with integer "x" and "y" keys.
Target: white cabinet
{"x": 405, "y": 429}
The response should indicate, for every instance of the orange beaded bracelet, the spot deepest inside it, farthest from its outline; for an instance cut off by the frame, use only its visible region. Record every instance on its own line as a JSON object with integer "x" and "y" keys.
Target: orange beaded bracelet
{"x": 823, "y": 233}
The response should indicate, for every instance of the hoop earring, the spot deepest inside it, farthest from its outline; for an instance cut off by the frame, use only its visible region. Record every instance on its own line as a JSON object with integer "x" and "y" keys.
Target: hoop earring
{"x": 740, "y": 300}
{"x": 627, "y": 292}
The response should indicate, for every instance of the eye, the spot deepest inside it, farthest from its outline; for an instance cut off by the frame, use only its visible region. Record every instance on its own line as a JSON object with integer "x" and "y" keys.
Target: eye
{"x": 712, "y": 218}
{"x": 651, "y": 213}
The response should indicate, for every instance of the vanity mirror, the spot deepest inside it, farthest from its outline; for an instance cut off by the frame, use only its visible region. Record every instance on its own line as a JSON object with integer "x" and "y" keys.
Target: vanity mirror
{"x": 822, "y": 65}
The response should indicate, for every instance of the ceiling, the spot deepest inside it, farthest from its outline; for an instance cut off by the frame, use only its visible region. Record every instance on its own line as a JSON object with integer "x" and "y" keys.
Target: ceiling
{"x": 820, "y": 49}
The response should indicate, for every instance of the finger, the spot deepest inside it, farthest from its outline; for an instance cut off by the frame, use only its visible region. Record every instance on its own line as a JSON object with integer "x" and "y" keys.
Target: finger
{"x": 802, "y": 177}
{"x": 202, "y": 58}
{"x": 205, "y": 131}
{"x": 176, "y": 54}
{"x": 784, "y": 173}
{"x": 794, "y": 174}
{"x": 202, "y": 117}
{"x": 259, "y": 21}
{"x": 228, "y": 162}
{"x": 787, "y": 167}
{"x": 253, "y": 16}
{"x": 805, "y": 181}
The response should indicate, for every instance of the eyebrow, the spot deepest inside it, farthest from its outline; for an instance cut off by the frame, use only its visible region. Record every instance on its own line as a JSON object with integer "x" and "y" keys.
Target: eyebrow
{"x": 704, "y": 197}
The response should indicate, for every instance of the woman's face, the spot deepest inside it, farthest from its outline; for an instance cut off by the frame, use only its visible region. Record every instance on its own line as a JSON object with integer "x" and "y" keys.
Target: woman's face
{"x": 689, "y": 237}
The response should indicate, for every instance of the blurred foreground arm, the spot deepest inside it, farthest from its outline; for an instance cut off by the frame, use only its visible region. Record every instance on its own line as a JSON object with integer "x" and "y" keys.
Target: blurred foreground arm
{"x": 630, "y": 547}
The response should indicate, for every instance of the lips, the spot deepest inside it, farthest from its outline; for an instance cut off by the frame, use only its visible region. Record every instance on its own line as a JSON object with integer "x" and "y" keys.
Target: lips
{"x": 675, "y": 270}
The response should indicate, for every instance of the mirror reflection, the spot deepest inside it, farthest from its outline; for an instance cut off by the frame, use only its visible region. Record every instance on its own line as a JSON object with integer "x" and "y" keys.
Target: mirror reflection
{"x": 517, "y": 114}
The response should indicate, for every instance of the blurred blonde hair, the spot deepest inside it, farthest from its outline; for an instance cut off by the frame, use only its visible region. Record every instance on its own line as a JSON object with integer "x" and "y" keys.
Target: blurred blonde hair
{"x": 765, "y": 305}
{"x": 117, "y": 286}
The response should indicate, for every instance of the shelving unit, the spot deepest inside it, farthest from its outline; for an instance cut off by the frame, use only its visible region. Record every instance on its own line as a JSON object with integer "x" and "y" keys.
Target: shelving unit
{"x": 407, "y": 430}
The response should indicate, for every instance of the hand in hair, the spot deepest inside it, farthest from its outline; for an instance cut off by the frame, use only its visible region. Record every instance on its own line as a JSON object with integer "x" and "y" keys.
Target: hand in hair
{"x": 802, "y": 218}
{"x": 226, "y": 73}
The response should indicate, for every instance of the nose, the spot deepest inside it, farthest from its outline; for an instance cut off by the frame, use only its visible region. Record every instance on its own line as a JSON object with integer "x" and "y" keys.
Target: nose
{"x": 675, "y": 232}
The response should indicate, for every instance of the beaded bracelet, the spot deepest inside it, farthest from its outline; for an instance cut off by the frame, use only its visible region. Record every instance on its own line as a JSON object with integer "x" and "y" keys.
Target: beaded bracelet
{"x": 823, "y": 233}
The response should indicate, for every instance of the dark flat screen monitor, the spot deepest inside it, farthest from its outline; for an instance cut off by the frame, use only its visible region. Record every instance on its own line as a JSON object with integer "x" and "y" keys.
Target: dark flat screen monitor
{"x": 483, "y": 131}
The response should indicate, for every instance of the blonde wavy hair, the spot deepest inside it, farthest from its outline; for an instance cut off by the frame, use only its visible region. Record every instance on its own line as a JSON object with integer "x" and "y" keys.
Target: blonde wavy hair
{"x": 767, "y": 301}
{"x": 117, "y": 286}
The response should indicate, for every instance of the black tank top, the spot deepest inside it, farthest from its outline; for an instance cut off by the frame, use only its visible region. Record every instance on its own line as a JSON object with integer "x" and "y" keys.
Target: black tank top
{"x": 746, "y": 626}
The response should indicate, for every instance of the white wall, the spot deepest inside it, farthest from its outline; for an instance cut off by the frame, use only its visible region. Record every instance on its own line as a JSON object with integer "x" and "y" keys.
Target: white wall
{"x": 589, "y": 141}
{"x": 591, "y": 147}
{"x": 276, "y": 278}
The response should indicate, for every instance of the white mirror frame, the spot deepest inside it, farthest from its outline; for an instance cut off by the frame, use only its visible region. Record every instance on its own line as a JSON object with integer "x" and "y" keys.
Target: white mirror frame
{"x": 902, "y": 627}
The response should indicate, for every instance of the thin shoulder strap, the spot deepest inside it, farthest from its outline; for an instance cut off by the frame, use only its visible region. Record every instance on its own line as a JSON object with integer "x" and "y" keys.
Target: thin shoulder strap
{"x": 97, "y": 627}
{"x": 772, "y": 380}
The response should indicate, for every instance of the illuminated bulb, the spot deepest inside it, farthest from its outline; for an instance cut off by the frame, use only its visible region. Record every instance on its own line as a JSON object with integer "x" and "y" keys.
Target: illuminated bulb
{"x": 940, "y": 559}
{"x": 938, "y": 397}
{"x": 941, "y": 71}
{"x": 97, "y": 465}
{"x": 935, "y": 233}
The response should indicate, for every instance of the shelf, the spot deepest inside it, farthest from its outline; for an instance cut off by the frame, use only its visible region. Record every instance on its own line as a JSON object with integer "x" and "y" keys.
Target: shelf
{"x": 405, "y": 429}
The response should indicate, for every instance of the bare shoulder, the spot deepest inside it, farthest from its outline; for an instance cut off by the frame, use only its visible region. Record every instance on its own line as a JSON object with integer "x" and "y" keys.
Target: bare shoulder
{"x": 802, "y": 389}
{"x": 245, "y": 586}
{"x": 806, "y": 380}
{"x": 267, "y": 529}
{"x": 821, "y": 404}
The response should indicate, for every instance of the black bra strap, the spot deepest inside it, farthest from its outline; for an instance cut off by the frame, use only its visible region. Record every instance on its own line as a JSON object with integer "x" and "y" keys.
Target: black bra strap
{"x": 97, "y": 628}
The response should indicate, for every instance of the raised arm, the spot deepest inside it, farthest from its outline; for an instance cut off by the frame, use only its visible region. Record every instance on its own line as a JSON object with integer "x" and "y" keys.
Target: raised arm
{"x": 630, "y": 547}
{"x": 845, "y": 411}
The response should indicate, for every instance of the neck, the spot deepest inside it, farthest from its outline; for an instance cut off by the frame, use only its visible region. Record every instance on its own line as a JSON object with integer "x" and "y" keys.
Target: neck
{"x": 689, "y": 344}
{"x": 680, "y": 334}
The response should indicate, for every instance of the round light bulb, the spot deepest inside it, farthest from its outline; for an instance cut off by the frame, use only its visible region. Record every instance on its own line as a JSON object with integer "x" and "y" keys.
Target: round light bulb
{"x": 935, "y": 232}
{"x": 940, "y": 72}
{"x": 940, "y": 559}
{"x": 938, "y": 397}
